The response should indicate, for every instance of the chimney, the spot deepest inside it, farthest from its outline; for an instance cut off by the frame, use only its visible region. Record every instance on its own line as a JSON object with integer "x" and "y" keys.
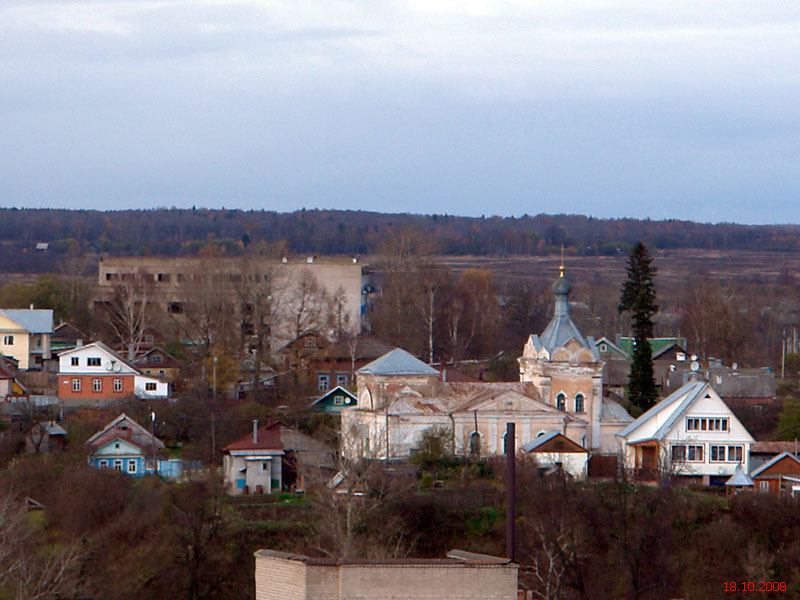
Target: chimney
{"x": 31, "y": 305}
{"x": 79, "y": 344}
{"x": 255, "y": 431}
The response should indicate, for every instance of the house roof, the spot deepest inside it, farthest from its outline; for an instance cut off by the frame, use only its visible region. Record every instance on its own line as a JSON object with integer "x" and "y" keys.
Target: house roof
{"x": 611, "y": 345}
{"x": 104, "y": 348}
{"x": 739, "y": 478}
{"x": 774, "y": 461}
{"x": 38, "y": 320}
{"x": 657, "y": 345}
{"x": 679, "y": 400}
{"x": 398, "y": 362}
{"x": 542, "y": 440}
{"x": 67, "y": 332}
{"x": 145, "y": 360}
{"x": 773, "y": 447}
{"x": 269, "y": 438}
{"x": 338, "y": 390}
{"x": 611, "y": 410}
{"x": 48, "y": 427}
{"x": 133, "y": 432}
{"x": 662, "y": 351}
{"x": 365, "y": 348}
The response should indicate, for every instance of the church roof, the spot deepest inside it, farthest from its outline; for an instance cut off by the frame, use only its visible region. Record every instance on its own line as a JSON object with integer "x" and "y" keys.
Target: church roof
{"x": 398, "y": 362}
{"x": 560, "y": 330}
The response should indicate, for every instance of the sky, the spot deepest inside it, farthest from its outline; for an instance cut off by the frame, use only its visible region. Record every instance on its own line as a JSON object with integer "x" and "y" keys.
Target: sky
{"x": 616, "y": 108}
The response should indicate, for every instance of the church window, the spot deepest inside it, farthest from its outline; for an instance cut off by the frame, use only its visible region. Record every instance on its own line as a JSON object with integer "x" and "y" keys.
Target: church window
{"x": 580, "y": 404}
{"x": 475, "y": 444}
{"x": 561, "y": 401}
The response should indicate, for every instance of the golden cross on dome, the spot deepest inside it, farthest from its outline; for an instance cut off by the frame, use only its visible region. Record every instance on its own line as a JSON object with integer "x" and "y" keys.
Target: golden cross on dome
{"x": 561, "y": 268}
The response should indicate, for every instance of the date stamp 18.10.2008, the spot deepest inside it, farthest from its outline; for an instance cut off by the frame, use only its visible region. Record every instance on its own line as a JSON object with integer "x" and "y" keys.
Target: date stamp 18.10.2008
{"x": 755, "y": 586}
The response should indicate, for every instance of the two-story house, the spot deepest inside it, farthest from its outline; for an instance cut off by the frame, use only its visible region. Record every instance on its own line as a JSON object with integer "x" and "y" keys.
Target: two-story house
{"x": 96, "y": 374}
{"x": 25, "y": 335}
{"x": 691, "y": 433}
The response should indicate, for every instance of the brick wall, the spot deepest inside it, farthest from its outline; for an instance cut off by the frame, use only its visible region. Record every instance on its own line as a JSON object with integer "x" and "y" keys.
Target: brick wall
{"x": 280, "y": 579}
{"x": 65, "y": 386}
{"x": 286, "y": 577}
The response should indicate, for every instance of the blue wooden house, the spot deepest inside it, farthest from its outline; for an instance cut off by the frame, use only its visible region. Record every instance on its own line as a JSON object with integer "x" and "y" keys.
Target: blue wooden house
{"x": 126, "y": 446}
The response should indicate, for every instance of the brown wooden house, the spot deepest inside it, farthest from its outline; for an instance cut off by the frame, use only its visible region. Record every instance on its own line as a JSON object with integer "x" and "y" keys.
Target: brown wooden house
{"x": 781, "y": 475}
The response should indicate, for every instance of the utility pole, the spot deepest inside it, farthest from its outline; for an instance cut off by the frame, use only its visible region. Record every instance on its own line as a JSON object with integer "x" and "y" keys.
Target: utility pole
{"x": 153, "y": 439}
{"x": 213, "y": 437}
{"x": 215, "y": 377}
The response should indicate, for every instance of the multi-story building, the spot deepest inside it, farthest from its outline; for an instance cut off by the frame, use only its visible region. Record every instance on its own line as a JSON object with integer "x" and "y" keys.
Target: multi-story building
{"x": 276, "y": 299}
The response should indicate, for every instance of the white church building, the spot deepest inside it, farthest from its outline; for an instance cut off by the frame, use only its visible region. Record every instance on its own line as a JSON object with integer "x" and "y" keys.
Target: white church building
{"x": 560, "y": 390}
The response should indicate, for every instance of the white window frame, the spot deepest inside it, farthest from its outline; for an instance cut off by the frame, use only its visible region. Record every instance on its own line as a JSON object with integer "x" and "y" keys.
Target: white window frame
{"x": 132, "y": 465}
{"x": 735, "y": 453}
{"x": 717, "y": 453}
{"x": 8, "y": 340}
{"x": 763, "y": 485}
{"x": 338, "y": 400}
{"x": 149, "y": 386}
{"x": 118, "y": 385}
{"x": 94, "y": 361}
{"x": 323, "y": 383}
{"x": 695, "y": 447}
{"x": 76, "y": 385}
{"x": 118, "y": 464}
{"x": 102, "y": 463}
{"x": 97, "y": 385}
{"x": 75, "y": 361}
{"x": 341, "y": 380}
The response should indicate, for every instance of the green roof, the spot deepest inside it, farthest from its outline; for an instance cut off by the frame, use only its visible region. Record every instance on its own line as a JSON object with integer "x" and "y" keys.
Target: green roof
{"x": 656, "y": 344}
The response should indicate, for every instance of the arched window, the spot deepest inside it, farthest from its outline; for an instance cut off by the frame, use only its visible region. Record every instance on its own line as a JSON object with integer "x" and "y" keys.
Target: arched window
{"x": 475, "y": 444}
{"x": 580, "y": 404}
{"x": 561, "y": 401}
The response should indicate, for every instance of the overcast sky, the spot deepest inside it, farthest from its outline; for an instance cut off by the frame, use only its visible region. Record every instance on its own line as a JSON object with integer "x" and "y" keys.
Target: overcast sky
{"x": 680, "y": 109}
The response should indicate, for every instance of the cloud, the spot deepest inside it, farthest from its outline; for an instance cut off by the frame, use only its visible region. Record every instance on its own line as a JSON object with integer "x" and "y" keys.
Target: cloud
{"x": 611, "y": 108}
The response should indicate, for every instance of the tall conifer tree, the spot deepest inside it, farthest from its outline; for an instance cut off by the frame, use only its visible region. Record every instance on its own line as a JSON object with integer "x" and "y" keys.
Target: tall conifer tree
{"x": 639, "y": 297}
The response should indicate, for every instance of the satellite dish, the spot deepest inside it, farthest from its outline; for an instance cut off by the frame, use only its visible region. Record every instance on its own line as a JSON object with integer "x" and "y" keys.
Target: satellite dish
{"x": 695, "y": 366}
{"x": 117, "y": 367}
{"x": 109, "y": 365}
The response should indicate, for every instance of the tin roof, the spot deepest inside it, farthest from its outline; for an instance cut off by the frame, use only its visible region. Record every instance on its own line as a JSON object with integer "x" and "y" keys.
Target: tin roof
{"x": 398, "y": 362}
{"x": 269, "y": 438}
{"x": 39, "y": 320}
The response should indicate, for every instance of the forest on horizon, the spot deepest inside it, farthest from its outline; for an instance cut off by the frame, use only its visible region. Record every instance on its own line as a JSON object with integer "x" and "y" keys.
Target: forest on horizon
{"x": 177, "y": 232}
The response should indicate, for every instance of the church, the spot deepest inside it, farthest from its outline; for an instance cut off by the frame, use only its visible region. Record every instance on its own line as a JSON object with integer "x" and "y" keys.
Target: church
{"x": 399, "y": 397}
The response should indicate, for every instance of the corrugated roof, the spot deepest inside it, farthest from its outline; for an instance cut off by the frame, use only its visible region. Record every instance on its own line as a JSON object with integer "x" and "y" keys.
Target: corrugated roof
{"x": 398, "y": 362}
{"x": 38, "y": 320}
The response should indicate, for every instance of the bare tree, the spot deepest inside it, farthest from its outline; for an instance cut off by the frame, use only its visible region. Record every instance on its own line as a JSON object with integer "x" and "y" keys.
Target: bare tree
{"x": 308, "y": 306}
{"x": 131, "y": 312}
{"x": 261, "y": 292}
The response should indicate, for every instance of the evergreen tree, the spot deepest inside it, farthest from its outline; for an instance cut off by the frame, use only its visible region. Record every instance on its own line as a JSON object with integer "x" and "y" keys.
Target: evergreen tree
{"x": 639, "y": 297}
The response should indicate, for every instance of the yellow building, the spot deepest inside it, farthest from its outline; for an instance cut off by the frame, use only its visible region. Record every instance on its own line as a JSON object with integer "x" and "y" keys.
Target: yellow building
{"x": 25, "y": 335}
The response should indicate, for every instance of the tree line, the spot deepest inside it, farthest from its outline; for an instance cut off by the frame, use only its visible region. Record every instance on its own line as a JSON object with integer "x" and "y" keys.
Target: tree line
{"x": 176, "y": 232}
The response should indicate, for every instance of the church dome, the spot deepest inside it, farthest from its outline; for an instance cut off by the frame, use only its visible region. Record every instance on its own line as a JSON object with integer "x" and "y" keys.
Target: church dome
{"x": 562, "y": 286}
